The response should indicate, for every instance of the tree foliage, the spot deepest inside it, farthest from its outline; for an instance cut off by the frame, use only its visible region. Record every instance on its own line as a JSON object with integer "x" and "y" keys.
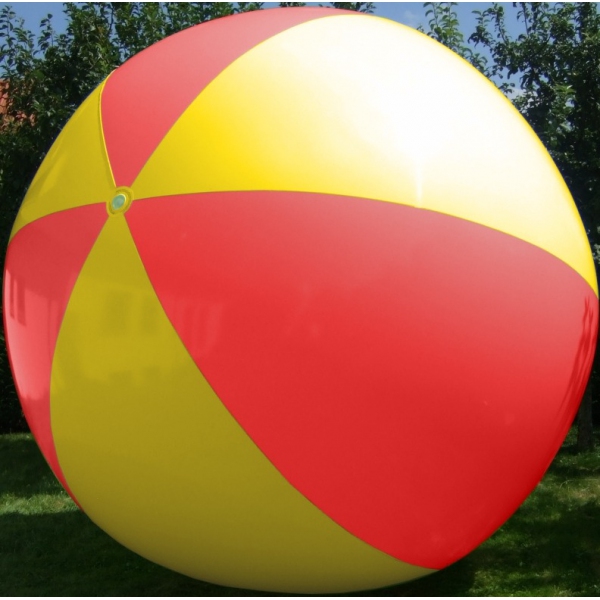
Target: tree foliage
{"x": 366, "y": 7}
{"x": 444, "y": 27}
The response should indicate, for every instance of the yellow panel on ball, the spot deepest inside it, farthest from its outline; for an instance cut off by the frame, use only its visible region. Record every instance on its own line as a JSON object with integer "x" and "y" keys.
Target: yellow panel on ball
{"x": 76, "y": 171}
{"x": 199, "y": 496}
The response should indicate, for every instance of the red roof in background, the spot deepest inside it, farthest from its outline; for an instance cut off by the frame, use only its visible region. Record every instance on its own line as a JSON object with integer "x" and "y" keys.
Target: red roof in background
{"x": 4, "y": 102}
{"x": 3, "y": 97}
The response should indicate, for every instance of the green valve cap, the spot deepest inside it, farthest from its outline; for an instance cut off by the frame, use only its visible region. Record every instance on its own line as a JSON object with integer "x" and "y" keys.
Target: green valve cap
{"x": 120, "y": 202}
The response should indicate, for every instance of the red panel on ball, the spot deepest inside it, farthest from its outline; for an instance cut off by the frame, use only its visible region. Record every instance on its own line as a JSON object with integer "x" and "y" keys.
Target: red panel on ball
{"x": 145, "y": 96}
{"x": 43, "y": 262}
{"x": 411, "y": 373}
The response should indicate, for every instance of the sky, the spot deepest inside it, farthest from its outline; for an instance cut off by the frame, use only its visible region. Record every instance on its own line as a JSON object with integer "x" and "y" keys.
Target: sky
{"x": 408, "y": 13}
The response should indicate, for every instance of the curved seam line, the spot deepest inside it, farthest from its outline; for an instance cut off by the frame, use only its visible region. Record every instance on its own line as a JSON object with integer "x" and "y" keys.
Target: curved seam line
{"x": 243, "y": 430}
{"x": 396, "y": 202}
{"x": 99, "y": 89}
{"x": 220, "y": 74}
{"x": 101, "y": 123}
{"x": 62, "y": 319}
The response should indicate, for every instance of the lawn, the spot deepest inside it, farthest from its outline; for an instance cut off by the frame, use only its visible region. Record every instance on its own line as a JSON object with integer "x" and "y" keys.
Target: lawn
{"x": 550, "y": 547}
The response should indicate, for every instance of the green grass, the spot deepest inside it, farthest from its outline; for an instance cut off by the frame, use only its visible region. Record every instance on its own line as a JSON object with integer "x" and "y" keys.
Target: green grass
{"x": 550, "y": 547}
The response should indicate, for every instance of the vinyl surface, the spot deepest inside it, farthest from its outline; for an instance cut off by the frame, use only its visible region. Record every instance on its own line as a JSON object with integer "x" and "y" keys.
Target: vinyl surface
{"x": 313, "y": 315}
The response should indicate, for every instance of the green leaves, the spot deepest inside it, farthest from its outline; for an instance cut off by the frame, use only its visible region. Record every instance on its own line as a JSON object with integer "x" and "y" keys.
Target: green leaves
{"x": 364, "y": 7}
{"x": 444, "y": 28}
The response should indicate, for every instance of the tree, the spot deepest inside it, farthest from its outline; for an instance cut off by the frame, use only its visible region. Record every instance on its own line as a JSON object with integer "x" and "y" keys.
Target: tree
{"x": 365, "y": 7}
{"x": 444, "y": 27}
{"x": 551, "y": 73}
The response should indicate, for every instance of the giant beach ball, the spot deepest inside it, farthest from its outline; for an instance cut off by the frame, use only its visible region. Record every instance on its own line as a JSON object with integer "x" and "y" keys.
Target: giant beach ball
{"x": 297, "y": 301}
